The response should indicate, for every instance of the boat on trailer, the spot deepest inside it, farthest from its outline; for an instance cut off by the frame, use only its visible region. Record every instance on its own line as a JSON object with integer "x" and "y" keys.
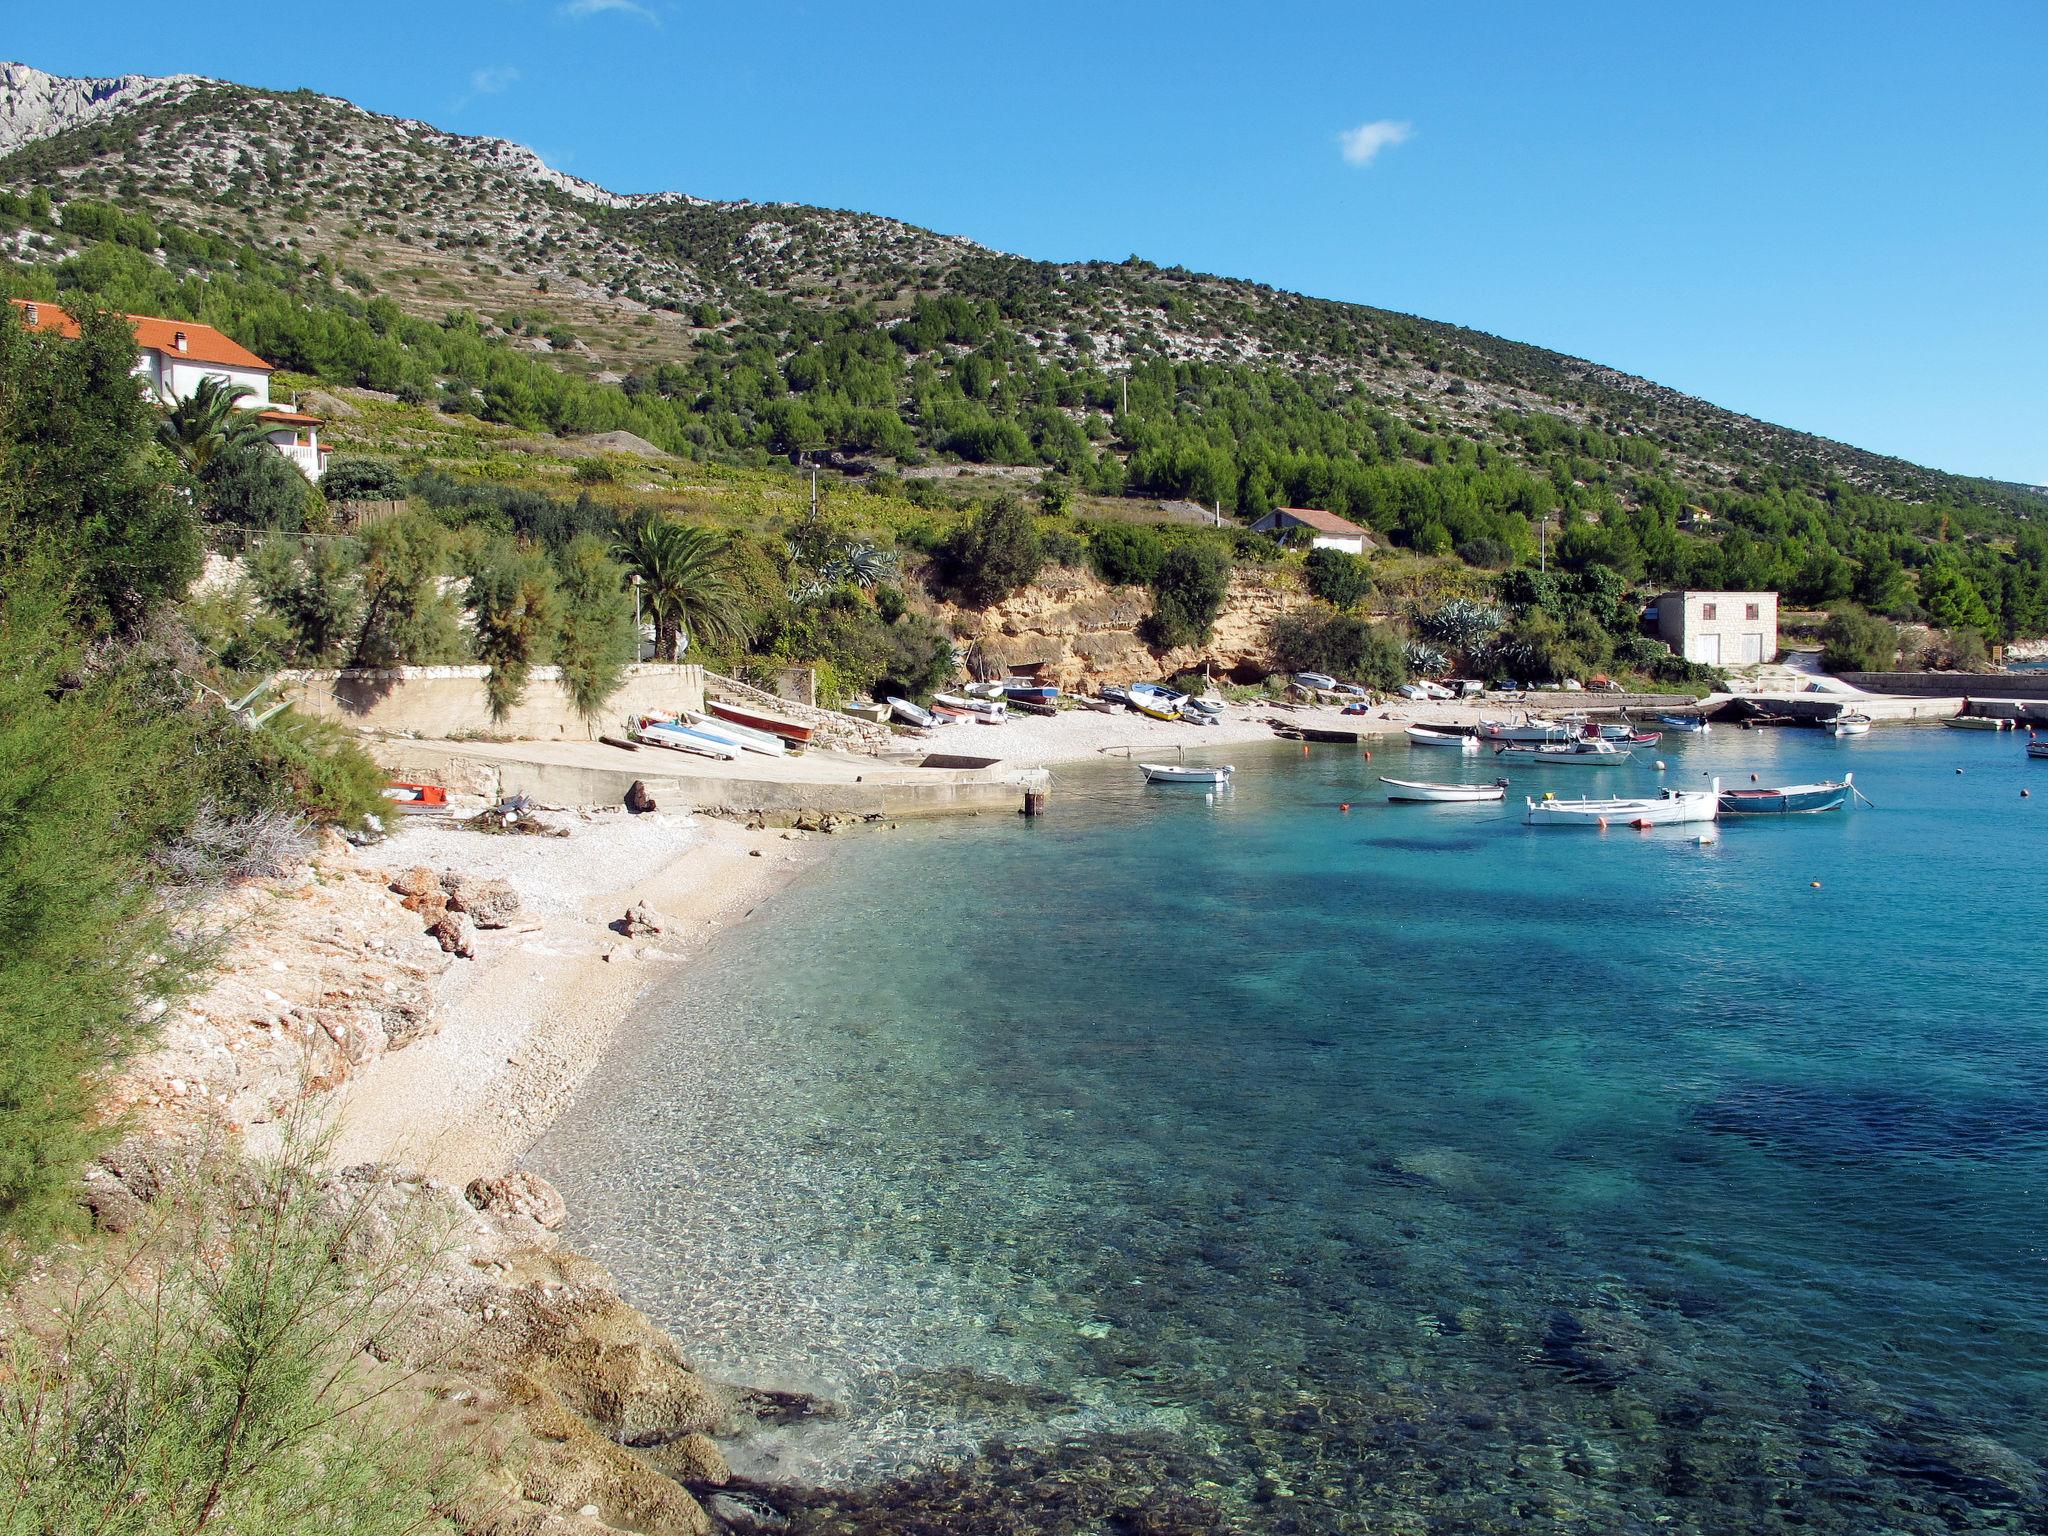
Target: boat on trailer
{"x": 1787, "y": 800}
{"x": 1415, "y": 792}
{"x": 1668, "y": 808}
{"x": 1169, "y": 773}
{"x": 1431, "y": 736}
{"x": 1587, "y": 752}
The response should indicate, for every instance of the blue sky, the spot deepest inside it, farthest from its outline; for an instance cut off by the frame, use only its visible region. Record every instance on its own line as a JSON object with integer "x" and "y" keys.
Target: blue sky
{"x": 1833, "y": 216}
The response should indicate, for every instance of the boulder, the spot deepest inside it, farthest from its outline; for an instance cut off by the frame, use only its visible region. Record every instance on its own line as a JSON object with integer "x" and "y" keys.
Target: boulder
{"x": 452, "y": 932}
{"x": 487, "y": 903}
{"x": 640, "y": 919}
{"x": 419, "y": 881}
{"x": 518, "y": 1193}
{"x": 638, "y": 799}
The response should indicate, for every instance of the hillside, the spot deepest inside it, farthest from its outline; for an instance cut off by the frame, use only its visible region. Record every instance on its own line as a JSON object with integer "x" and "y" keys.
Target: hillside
{"x": 433, "y": 220}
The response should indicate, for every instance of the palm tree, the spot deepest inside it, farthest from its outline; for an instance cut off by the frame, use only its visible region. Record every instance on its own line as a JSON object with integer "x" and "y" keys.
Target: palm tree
{"x": 209, "y": 422}
{"x": 686, "y": 580}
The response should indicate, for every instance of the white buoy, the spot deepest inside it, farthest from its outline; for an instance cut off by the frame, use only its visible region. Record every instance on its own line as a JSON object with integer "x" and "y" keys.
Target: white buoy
{"x": 1660, "y": 765}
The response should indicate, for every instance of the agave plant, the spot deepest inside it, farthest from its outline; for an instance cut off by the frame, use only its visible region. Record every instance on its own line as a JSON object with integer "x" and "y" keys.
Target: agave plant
{"x": 862, "y": 565}
{"x": 1424, "y": 659}
{"x": 1460, "y": 625}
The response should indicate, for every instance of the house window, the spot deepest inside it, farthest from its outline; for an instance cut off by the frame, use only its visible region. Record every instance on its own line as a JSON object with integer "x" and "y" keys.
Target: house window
{"x": 1752, "y": 611}
{"x": 1710, "y": 610}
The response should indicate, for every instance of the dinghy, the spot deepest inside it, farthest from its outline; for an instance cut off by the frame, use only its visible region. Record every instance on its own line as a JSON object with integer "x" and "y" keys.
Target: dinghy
{"x": 1167, "y": 773}
{"x": 682, "y": 738}
{"x": 1431, "y": 736}
{"x": 1322, "y": 682}
{"x": 755, "y": 720}
{"x": 1849, "y": 724}
{"x": 1669, "y": 808}
{"x": 992, "y": 709}
{"x": 742, "y": 736}
{"x": 911, "y": 714}
{"x": 1157, "y": 703}
{"x": 1408, "y": 791}
{"x": 1788, "y": 800}
{"x": 1690, "y": 724}
{"x": 1588, "y": 752}
{"x": 2037, "y": 749}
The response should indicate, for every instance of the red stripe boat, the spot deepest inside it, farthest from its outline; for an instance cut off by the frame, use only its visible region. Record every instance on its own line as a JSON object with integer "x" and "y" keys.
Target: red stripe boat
{"x": 788, "y": 730}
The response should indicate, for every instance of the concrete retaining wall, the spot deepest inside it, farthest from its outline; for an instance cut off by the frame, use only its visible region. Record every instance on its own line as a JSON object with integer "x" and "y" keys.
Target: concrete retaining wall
{"x": 1949, "y": 685}
{"x": 449, "y": 701}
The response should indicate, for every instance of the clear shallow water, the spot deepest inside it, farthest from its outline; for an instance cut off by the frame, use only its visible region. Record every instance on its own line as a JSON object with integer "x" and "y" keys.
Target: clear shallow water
{"x": 1187, "y": 1163}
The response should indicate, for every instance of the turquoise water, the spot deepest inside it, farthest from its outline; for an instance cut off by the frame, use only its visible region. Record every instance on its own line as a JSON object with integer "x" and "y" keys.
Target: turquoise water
{"x": 1184, "y": 1162}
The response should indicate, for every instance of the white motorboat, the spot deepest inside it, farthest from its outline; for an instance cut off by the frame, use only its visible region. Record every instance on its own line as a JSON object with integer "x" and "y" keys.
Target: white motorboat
{"x": 1532, "y": 729}
{"x": 743, "y": 736}
{"x": 1669, "y": 808}
{"x": 1168, "y": 773}
{"x": 911, "y": 714}
{"x": 1849, "y": 724}
{"x": 1587, "y": 752}
{"x": 682, "y": 738}
{"x": 1409, "y": 791}
{"x": 1978, "y": 723}
{"x": 1430, "y": 736}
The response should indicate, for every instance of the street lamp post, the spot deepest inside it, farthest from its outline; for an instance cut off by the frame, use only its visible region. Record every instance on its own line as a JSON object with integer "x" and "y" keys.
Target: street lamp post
{"x": 634, "y": 582}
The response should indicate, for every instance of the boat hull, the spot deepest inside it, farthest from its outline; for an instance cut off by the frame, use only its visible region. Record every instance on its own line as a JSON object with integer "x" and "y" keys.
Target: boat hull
{"x": 1786, "y": 800}
{"x": 1423, "y": 736}
{"x": 1413, "y": 792}
{"x": 1538, "y": 757}
{"x": 1167, "y": 773}
{"x": 1673, "y": 808}
{"x": 1978, "y": 723}
{"x": 753, "y": 720}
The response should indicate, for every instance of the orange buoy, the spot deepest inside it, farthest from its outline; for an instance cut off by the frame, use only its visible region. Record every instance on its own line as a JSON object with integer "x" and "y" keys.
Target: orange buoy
{"x": 1304, "y": 749}
{"x": 1345, "y": 806}
{"x": 1368, "y": 757}
{"x": 1640, "y": 824}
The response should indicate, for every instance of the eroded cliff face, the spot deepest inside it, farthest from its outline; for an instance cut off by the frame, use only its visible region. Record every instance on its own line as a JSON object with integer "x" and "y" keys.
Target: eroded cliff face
{"x": 1080, "y": 632}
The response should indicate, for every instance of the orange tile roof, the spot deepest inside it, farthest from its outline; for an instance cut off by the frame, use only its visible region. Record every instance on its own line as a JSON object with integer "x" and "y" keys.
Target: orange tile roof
{"x": 1326, "y": 522}
{"x": 153, "y": 333}
{"x": 291, "y": 418}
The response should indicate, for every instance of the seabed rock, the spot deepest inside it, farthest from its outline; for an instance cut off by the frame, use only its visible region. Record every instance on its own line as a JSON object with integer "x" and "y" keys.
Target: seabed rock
{"x": 640, "y": 919}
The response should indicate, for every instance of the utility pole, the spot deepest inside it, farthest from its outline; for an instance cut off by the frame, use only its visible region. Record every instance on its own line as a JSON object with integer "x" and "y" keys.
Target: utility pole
{"x": 814, "y": 492}
{"x": 1126, "y": 379}
{"x": 1543, "y": 545}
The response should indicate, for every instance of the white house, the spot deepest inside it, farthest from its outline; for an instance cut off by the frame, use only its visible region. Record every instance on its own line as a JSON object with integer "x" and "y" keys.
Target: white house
{"x": 1326, "y": 530}
{"x": 1721, "y": 629}
{"x": 176, "y": 355}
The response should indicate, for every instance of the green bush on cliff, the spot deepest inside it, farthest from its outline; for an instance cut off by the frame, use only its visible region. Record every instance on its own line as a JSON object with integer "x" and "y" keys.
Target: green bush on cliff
{"x": 1341, "y": 644}
{"x": 1857, "y": 641}
{"x": 1188, "y": 591}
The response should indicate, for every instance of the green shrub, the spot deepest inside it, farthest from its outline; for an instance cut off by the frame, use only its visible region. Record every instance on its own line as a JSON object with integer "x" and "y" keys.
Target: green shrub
{"x": 1188, "y": 591}
{"x": 512, "y": 607}
{"x": 594, "y": 638}
{"x": 255, "y": 487}
{"x": 1339, "y": 579}
{"x": 1854, "y": 640}
{"x": 1341, "y": 644}
{"x": 995, "y": 553}
{"x": 317, "y": 768}
{"x": 1125, "y": 554}
{"x": 351, "y": 477}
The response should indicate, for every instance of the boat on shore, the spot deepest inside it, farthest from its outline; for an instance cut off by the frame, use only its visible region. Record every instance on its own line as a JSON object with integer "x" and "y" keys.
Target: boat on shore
{"x": 744, "y": 737}
{"x": 1320, "y": 682}
{"x": 1587, "y": 752}
{"x": 678, "y": 737}
{"x": 911, "y": 714}
{"x": 991, "y": 709}
{"x": 757, "y": 720}
{"x": 1414, "y": 792}
{"x": 1787, "y": 800}
{"x": 1432, "y": 736}
{"x": 1156, "y": 702}
{"x": 416, "y": 799}
{"x": 1849, "y": 723}
{"x": 1169, "y": 773}
{"x": 1668, "y": 808}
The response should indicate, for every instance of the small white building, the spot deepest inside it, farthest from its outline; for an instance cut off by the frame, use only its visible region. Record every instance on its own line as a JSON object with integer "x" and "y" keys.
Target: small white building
{"x": 176, "y": 356}
{"x": 1720, "y": 629}
{"x": 1326, "y": 530}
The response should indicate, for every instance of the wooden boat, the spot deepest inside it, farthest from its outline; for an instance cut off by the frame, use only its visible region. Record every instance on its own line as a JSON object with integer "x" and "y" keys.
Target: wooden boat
{"x": 682, "y": 738}
{"x": 1531, "y": 729}
{"x": 993, "y": 709}
{"x": 1167, "y": 773}
{"x": 1790, "y": 799}
{"x": 1978, "y": 723}
{"x": 1670, "y": 807}
{"x": 2037, "y": 749}
{"x": 1410, "y": 791}
{"x": 417, "y": 799}
{"x": 755, "y": 720}
{"x": 1849, "y": 724}
{"x": 1320, "y": 681}
{"x": 1690, "y": 724}
{"x": 1588, "y": 752}
{"x": 911, "y": 714}
{"x": 1032, "y": 706}
{"x": 1431, "y": 736}
{"x": 1021, "y": 688}
{"x": 742, "y": 736}
{"x": 1157, "y": 703}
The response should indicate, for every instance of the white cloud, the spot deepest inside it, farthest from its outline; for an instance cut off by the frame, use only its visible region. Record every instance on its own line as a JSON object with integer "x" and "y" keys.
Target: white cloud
{"x": 489, "y": 82}
{"x": 576, "y": 10}
{"x": 1361, "y": 145}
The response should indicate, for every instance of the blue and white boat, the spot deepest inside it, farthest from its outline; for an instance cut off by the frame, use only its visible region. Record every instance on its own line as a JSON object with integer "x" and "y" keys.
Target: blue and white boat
{"x": 1587, "y": 752}
{"x": 684, "y": 738}
{"x": 911, "y": 714}
{"x": 1158, "y": 702}
{"x": 1787, "y": 800}
{"x": 1690, "y": 724}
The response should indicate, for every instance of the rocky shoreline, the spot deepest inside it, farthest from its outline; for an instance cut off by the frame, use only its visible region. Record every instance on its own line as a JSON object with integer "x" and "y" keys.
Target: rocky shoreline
{"x": 429, "y": 1006}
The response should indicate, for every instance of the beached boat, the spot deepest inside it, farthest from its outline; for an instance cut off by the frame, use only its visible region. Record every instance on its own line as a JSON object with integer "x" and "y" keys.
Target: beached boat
{"x": 744, "y": 737}
{"x": 1024, "y": 688}
{"x": 756, "y": 720}
{"x": 1689, "y": 724}
{"x": 876, "y": 713}
{"x": 1668, "y": 808}
{"x": 1158, "y": 703}
{"x": 993, "y": 709}
{"x": 678, "y": 737}
{"x": 417, "y": 799}
{"x": 1787, "y": 800}
{"x": 911, "y": 714}
{"x": 1168, "y": 773}
{"x": 1849, "y": 724}
{"x": 1431, "y": 736}
{"x": 1977, "y": 723}
{"x": 1587, "y": 752}
{"x": 1320, "y": 681}
{"x": 1210, "y": 707}
{"x": 1410, "y": 791}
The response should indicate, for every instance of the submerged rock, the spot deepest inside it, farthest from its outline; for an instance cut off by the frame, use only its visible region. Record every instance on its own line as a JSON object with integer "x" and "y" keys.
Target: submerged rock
{"x": 519, "y": 1193}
